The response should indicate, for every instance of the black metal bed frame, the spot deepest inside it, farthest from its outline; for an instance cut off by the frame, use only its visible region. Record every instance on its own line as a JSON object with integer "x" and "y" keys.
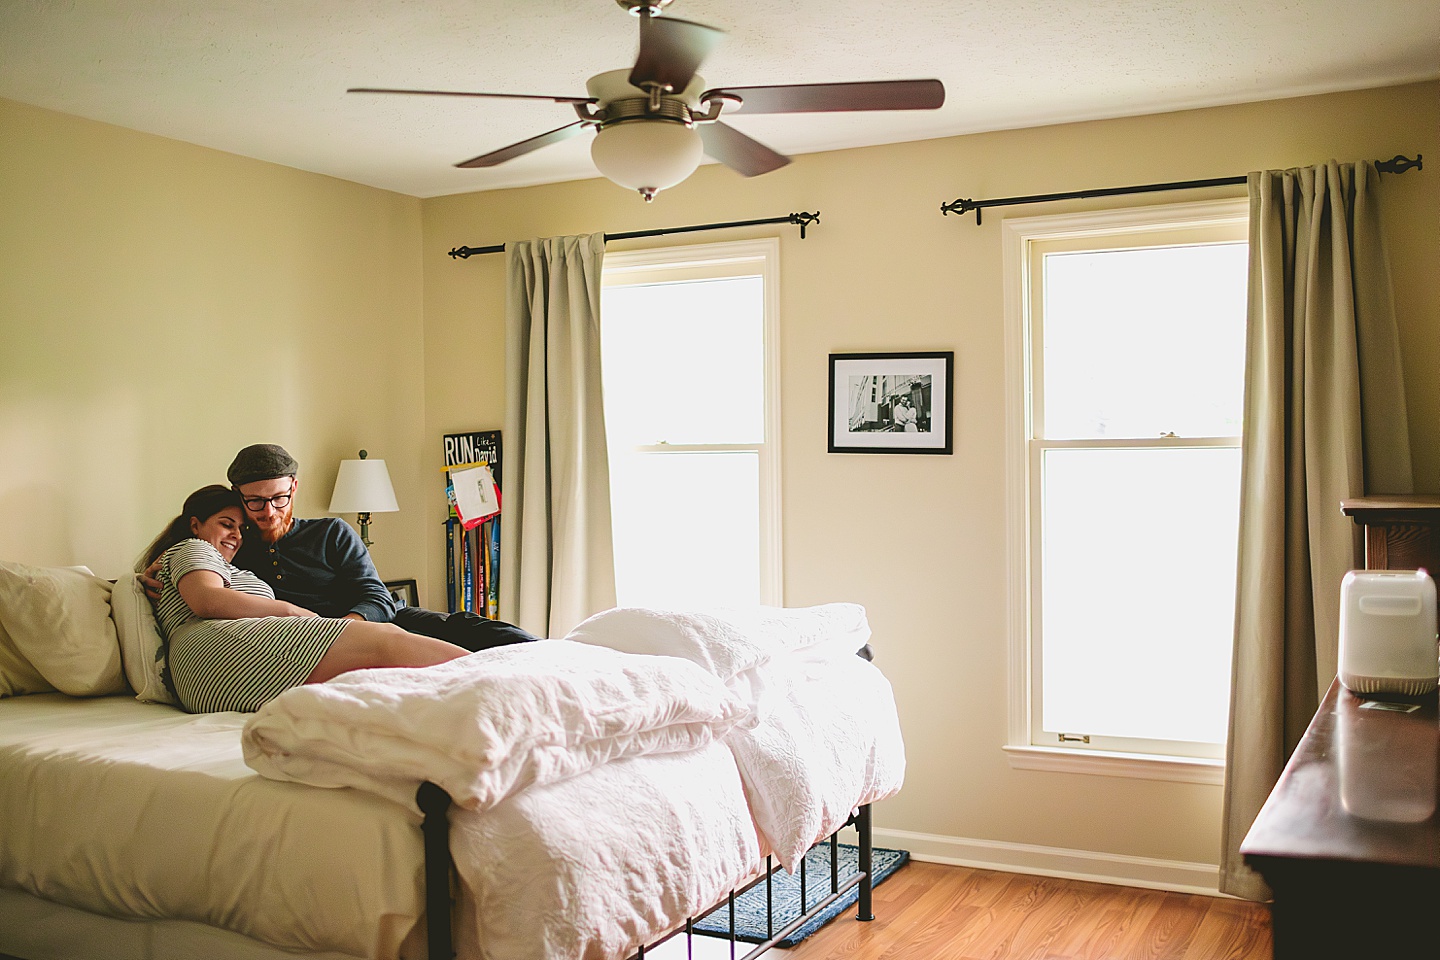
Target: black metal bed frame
{"x": 435, "y": 828}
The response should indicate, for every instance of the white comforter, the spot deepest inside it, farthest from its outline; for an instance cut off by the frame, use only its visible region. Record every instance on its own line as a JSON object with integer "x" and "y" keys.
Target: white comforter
{"x": 598, "y": 865}
{"x": 488, "y": 725}
{"x": 600, "y": 808}
{"x": 823, "y": 737}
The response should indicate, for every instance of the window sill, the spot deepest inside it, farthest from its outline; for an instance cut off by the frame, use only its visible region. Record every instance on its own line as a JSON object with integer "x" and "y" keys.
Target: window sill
{"x": 1136, "y": 766}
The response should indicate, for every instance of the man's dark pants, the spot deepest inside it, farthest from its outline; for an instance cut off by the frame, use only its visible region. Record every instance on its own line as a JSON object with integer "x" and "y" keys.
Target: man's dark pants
{"x": 464, "y": 629}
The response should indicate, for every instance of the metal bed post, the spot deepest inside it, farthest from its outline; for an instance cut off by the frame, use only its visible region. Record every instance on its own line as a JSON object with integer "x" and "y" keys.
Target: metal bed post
{"x": 435, "y": 805}
{"x": 862, "y": 829}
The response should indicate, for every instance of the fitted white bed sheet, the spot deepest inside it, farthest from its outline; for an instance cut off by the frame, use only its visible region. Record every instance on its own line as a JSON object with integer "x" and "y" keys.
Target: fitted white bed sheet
{"x": 139, "y": 811}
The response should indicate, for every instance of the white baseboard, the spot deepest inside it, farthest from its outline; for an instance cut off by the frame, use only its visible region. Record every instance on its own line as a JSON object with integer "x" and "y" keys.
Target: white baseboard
{"x": 1176, "y": 875}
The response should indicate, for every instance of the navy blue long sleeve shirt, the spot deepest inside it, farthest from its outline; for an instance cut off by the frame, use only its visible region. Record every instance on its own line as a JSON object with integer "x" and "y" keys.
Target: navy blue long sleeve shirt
{"x": 320, "y": 565}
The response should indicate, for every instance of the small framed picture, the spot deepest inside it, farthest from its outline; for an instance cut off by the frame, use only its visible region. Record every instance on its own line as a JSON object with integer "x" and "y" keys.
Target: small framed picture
{"x": 404, "y": 591}
{"x": 891, "y": 402}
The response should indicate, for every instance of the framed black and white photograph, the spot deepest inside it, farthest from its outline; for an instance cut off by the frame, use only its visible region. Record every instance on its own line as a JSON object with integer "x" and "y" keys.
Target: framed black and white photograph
{"x": 405, "y": 592}
{"x": 891, "y": 402}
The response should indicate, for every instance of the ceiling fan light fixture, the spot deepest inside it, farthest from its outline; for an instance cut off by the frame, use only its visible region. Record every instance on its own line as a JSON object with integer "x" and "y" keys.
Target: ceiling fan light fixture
{"x": 655, "y": 121}
{"x": 647, "y": 155}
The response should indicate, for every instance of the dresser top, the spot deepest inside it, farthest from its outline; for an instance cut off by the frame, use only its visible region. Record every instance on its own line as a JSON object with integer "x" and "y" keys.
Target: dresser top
{"x": 1415, "y": 506}
{"x": 1361, "y": 787}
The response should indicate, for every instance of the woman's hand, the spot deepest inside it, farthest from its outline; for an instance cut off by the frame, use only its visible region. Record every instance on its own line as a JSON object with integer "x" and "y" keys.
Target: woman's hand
{"x": 293, "y": 610}
{"x": 148, "y": 580}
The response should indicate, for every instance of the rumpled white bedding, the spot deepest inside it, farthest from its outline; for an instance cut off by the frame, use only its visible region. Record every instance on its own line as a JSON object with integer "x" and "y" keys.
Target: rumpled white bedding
{"x": 828, "y": 742}
{"x": 487, "y": 725}
{"x": 824, "y": 736}
{"x": 599, "y": 810}
{"x": 595, "y": 866}
{"x": 734, "y": 644}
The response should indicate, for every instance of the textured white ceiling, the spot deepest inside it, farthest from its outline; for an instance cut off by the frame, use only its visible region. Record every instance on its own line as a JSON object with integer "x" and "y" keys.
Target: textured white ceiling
{"x": 267, "y": 78}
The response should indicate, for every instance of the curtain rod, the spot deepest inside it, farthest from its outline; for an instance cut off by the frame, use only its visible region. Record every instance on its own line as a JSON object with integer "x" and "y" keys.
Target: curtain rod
{"x": 1397, "y": 164}
{"x": 801, "y": 220}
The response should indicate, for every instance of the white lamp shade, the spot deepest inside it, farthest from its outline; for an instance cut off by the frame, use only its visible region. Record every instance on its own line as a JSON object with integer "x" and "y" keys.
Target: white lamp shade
{"x": 647, "y": 154}
{"x": 363, "y": 486}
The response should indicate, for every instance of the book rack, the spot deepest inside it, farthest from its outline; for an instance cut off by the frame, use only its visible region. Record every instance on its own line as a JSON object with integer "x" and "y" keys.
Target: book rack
{"x": 472, "y": 556}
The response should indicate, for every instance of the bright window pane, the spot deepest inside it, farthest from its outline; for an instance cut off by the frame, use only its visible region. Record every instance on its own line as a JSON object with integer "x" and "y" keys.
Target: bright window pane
{"x": 683, "y": 352}
{"x": 1140, "y": 343}
{"x": 684, "y": 362}
{"x": 686, "y": 528}
{"x": 1138, "y": 585}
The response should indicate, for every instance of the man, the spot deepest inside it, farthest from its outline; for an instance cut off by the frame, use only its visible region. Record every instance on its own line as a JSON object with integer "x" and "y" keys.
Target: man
{"x": 905, "y": 416}
{"x": 323, "y": 566}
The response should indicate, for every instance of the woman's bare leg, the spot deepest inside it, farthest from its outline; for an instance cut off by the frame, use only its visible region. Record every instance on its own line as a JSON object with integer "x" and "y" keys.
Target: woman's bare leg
{"x": 363, "y": 644}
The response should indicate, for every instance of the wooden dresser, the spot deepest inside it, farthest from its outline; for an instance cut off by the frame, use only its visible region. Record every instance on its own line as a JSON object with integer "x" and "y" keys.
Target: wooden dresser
{"x": 1401, "y": 532}
{"x": 1349, "y": 840}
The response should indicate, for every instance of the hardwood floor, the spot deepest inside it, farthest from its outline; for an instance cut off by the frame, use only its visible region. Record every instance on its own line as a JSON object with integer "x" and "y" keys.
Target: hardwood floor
{"x": 928, "y": 910}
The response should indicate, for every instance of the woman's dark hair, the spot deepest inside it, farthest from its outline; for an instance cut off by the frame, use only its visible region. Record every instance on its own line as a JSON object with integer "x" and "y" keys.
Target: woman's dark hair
{"x": 202, "y": 505}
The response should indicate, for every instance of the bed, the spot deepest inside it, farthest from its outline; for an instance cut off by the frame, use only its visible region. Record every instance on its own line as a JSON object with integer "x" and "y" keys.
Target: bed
{"x": 573, "y": 798}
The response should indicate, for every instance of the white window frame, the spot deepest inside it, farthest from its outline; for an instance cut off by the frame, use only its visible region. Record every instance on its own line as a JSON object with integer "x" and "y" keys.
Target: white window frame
{"x": 714, "y": 261}
{"x": 1018, "y": 236}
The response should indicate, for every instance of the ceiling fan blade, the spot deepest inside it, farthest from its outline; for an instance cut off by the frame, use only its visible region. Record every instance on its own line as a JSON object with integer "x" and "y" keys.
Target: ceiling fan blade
{"x": 745, "y": 155}
{"x": 461, "y": 93}
{"x": 827, "y": 97}
{"x": 671, "y": 51}
{"x": 497, "y": 157}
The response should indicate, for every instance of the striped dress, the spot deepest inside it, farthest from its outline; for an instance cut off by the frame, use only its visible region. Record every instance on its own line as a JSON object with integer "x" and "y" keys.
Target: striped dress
{"x": 233, "y": 664}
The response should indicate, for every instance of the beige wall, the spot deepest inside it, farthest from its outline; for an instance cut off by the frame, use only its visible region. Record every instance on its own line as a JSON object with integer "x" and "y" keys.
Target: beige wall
{"x": 162, "y": 305}
{"x": 885, "y": 271}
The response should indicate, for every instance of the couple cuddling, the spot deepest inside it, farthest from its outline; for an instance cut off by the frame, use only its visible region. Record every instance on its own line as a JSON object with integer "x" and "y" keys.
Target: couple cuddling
{"x": 252, "y": 601}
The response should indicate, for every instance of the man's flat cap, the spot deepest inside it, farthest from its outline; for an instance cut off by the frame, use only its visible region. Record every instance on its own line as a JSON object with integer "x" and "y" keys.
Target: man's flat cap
{"x": 261, "y": 461}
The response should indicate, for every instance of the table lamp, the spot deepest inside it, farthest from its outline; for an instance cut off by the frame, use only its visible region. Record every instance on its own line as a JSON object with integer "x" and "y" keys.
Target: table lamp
{"x": 363, "y": 487}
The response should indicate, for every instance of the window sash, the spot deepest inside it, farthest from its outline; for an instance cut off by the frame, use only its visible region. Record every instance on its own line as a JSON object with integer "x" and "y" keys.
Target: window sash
{"x": 714, "y": 261}
{"x": 1024, "y": 239}
{"x": 1082, "y": 738}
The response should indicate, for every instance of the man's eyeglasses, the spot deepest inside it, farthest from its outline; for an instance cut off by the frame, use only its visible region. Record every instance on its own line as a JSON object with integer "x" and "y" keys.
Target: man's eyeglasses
{"x": 279, "y": 501}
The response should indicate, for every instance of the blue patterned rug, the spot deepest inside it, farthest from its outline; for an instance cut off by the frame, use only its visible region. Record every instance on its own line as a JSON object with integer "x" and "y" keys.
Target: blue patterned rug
{"x": 785, "y": 895}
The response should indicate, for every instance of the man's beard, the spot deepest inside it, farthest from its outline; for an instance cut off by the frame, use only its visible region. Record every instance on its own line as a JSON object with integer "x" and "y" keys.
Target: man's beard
{"x": 281, "y": 526}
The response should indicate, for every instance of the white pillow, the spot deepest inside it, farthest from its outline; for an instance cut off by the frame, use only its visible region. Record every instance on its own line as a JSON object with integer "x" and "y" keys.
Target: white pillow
{"x": 18, "y": 675}
{"x": 728, "y": 641}
{"x": 141, "y": 649}
{"x": 702, "y": 637}
{"x": 59, "y": 620}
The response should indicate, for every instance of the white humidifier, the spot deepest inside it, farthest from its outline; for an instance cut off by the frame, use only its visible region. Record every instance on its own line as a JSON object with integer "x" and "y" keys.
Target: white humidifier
{"x": 1387, "y": 632}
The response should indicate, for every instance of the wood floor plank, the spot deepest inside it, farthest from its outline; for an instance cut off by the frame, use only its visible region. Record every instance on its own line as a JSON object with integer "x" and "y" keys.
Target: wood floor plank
{"x": 1170, "y": 930}
{"x": 1232, "y": 931}
{"x": 928, "y": 910}
{"x": 1118, "y": 934}
{"x": 1048, "y": 926}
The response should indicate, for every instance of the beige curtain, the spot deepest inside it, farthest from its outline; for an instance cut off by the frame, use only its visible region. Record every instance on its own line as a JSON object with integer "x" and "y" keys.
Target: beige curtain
{"x": 1324, "y": 420}
{"x": 559, "y": 564}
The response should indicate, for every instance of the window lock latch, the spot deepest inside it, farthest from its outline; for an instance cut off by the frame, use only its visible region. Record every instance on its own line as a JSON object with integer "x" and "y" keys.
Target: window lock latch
{"x": 1072, "y": 738}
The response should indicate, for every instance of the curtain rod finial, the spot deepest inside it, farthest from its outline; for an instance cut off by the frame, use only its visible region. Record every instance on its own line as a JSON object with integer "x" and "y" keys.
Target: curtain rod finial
{"x": 1400, "y": 163}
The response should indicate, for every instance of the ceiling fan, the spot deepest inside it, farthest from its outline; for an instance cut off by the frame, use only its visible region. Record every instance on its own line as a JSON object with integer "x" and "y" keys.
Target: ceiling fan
{"x": 654, "y": 121}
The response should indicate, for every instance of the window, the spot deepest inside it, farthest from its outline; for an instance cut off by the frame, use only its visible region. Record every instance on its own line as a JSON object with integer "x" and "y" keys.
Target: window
{"x": 688, "y": 355}
{"x": 1126, "y": 335}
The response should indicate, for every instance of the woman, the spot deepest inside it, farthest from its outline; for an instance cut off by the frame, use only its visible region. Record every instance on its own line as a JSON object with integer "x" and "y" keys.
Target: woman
{"x": 232, "y": 645}
{"x": 905, "y": 416}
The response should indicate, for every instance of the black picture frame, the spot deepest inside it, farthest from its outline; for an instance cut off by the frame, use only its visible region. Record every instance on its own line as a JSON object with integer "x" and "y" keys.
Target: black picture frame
{"x": 892, "y": 402}
{"x": 405, "y": 592}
